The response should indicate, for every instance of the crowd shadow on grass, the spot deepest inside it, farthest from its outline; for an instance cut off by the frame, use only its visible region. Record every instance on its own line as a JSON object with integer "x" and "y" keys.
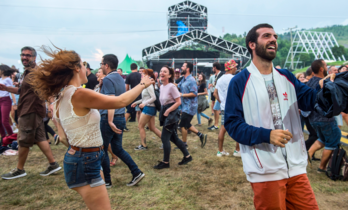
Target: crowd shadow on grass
{"x": 208, "y": 182}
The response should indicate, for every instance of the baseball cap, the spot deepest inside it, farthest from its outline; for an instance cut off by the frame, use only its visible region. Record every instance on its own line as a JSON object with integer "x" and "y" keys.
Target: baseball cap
{"x": 177, "y": 70}
{"x": 86, "y": 65}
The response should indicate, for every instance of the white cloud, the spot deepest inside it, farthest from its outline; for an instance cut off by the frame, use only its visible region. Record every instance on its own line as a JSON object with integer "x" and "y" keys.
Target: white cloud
{"x": 99, "y": 55}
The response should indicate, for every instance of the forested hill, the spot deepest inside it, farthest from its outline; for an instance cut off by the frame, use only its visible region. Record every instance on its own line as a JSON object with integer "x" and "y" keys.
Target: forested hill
{"x": 340, "y": 32}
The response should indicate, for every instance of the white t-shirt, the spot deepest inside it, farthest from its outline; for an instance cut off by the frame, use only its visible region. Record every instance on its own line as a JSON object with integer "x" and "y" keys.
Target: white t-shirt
{"x": 222, "y": 87}
{"x": 7, "y": 82}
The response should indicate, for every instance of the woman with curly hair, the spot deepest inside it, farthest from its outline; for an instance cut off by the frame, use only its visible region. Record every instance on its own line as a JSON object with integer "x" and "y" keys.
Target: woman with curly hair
{"x": 76, "y": 111}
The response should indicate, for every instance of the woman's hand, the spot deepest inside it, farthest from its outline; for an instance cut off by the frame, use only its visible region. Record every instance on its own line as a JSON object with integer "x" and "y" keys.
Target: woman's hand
{"x": 141, "y": 106}
{"x": 133, "y": 105}
{"x": 147, "y": 81}
{"x": 166, "y": 113}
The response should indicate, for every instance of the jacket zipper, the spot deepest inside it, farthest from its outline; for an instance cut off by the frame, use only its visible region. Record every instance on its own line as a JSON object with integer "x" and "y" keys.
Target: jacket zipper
{"x": 257, "y": 157}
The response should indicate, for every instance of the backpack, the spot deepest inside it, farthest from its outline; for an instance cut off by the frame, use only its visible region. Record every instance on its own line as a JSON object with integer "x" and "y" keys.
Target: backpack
{"x": 157, "y": 101}
{"x": 338, "y": 165}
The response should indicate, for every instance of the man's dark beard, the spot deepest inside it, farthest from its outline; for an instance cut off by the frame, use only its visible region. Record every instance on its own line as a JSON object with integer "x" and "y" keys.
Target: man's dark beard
{"x": 325, "y": 73}
{"x": 262, "y": 52}
{"x": 183, "y": 72}
{"x": 28, "y": 65}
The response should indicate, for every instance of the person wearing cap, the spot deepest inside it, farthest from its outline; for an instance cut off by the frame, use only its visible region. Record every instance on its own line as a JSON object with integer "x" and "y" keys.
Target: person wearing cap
{"x": 177, "y": 76}
{"x": 220, "y": 93}
{"x": 92, "y": 79}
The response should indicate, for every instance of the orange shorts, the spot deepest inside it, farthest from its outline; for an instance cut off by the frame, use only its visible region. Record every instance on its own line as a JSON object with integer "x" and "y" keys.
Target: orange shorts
{"x": 293, "y": 193}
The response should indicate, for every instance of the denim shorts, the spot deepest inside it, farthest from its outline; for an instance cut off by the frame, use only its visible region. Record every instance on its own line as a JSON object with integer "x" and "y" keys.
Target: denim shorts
{"x": 83, "y": 168}
{"x": 223, "y": 117}
{"x": 217, "y": 106}
{"x": 149, "y": 110}
{"x": 329, "y": 134}
{"x": 137, "y": 109}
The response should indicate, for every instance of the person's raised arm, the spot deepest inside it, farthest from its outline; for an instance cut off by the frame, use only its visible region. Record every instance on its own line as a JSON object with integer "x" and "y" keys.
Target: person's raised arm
{"x": 9, "y": 89}
{"x": 89, "y": 99}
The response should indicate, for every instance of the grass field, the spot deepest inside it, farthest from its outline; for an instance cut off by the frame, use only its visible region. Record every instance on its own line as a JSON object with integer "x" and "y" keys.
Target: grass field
{"x": 208, "y": 182}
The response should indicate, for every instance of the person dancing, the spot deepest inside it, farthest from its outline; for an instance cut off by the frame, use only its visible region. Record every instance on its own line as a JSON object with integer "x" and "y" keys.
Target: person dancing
{"x": 169, "y": 118}
{"x": 76, "y": 111}
{"x": 149, "y": 111}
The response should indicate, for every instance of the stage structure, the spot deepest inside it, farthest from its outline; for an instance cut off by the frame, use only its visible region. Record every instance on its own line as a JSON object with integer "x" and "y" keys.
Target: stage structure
{"x": 152, "y": 54}
{"x": 187, "y": 26}
{"x": 186, "y": 16}
{"x": 309, "y": 42}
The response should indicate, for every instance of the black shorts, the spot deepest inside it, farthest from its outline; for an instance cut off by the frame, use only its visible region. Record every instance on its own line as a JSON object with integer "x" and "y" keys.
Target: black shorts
{"x": 212, "y": 97}
{"x": 130, "y": 109}
{"x": 185, "y": 120}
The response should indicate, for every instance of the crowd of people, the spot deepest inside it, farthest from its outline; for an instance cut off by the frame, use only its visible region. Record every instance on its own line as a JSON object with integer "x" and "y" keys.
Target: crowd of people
{"x": 263, "y": 108}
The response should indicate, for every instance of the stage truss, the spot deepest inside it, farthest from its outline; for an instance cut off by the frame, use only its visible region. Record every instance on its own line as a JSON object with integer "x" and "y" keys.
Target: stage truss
{"x": 310, "y": 42}
{"x": 154, "y": 51}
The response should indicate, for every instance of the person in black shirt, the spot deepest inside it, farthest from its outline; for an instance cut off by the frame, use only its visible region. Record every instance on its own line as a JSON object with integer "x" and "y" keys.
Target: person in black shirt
{"x": 132, "y": 80}
{"x": 92, "y": 79}
{"x": 202, "y": 92}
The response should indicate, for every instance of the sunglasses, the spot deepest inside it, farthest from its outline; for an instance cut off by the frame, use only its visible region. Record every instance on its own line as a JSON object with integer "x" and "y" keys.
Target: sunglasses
{"x": 25, "y": 55}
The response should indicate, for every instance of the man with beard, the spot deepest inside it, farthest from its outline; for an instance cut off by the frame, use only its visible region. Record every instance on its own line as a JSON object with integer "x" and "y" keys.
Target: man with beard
{"x": 113, "y": 122}
{"x": 268, "y": 127}
{"x": 327, "y": 129}
{"x": 92, "y": 79}
{"x": 31, "y": 111}
{"x": 188, "y": 89}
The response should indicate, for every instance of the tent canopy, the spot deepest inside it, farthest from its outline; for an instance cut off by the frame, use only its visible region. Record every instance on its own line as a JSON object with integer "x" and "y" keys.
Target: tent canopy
{"x": 125, "y": 65}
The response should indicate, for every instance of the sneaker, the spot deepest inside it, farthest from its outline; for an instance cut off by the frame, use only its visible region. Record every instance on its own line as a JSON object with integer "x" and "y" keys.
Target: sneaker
{"x": 185, "y": 160}
{"x": 147, "y": 128}
{"x": 161, "y": 165}
{"x": 51, "y": 169}
{"x": 210, "y": 121}
{"x": 236, "y": 153}
{"x": 108, "y": 184}
{"x": 136, "y": 179}
{"x": 15, "y": 130}
{"x": 203, "y": 139}
{"x": 321, "y": 171}
{"x": 14, "y": 174}
{"x": 213, "y": 128}
{"x": 125, "y": 129}
{"x": 223, "y": 153}
{"x": 140, "y": 147}
{"x": 56, "y": 139}
{"x": 161, "y": 147}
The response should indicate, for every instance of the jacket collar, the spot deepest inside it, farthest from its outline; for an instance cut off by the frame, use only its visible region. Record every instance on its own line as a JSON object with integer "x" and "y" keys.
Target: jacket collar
{"x": 255, "y": 72}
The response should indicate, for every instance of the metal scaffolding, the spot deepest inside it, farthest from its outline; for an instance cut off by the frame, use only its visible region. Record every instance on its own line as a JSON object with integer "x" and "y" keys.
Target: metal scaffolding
{"x": 192, "y": 16}
{"x": 309, "y": 42}
{"x": 154, "y": 51}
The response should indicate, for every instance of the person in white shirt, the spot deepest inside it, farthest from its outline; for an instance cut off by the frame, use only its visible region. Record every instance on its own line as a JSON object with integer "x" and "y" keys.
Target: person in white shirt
{"x": 148, "y": 114}
{"x": 220, "y": 93}
{"x": 5, "y": 101}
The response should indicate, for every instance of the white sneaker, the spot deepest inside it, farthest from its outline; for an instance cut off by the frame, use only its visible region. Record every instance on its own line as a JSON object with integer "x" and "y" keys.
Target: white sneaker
{"x": 236, "y": 153}
{"x": 223, "y": 153}
{"x": 15, "y": 130}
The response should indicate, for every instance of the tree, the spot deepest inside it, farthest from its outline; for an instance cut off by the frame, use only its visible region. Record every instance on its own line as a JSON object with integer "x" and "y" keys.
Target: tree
{"x": 338, "y": 51}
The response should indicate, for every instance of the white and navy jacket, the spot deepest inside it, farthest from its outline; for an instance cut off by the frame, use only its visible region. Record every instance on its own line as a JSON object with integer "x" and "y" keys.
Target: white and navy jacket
{"x": 248, "y": 120}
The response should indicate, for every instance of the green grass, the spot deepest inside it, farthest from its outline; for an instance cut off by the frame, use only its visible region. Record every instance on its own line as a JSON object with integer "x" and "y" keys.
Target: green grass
{"x": 208, "y": 182}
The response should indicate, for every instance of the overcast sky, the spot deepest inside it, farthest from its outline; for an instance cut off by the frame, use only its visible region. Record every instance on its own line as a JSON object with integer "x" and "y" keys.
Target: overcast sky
{"x": 94, "y": 28}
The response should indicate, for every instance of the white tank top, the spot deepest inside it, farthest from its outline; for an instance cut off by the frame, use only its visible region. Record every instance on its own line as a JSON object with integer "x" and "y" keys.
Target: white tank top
{"x": 81, "y": 131}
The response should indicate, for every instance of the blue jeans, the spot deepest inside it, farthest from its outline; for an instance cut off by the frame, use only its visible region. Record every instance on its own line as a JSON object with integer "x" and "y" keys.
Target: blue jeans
{"x": 329, "y": 134}
{"x": 199, "y": 114}
{"x": 109, "y": 136}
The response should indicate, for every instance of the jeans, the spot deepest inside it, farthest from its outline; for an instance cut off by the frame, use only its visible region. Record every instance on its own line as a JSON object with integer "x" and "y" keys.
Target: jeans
{"x": 83, "y": 168}
{"x": 48, "y": 129}
{"x": 109, "y": 136}
{"x": 169, "y": 134}
{"x": 199, "y": 114}
{"x": 5, "y": 108}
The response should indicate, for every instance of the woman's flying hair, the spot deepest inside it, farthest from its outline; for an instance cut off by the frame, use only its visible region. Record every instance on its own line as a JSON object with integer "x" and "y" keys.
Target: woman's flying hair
{"x": 51, "y": 75}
